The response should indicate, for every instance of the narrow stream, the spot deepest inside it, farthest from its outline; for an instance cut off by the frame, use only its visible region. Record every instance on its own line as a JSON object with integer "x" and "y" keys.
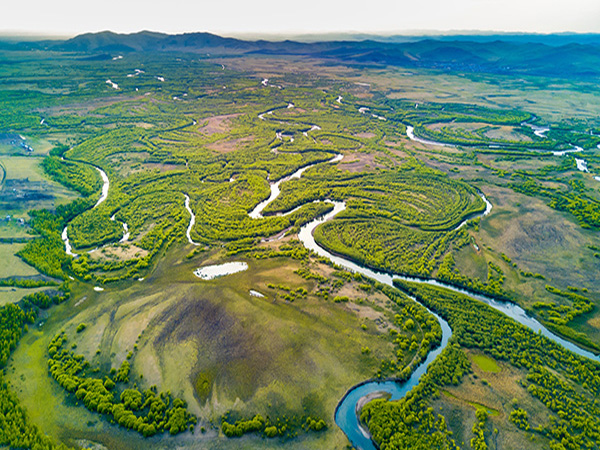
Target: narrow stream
{"x": 126, "y": 233}
{"x": 581, "y": 165}
{"x": 68, "y": 248}
{"x": 410, "y": 133}
{"x": 192, "y": 221}
{"x": 103, "y": 197}
{"x": 256, "y": 213}
{"x": 538, "y": 131}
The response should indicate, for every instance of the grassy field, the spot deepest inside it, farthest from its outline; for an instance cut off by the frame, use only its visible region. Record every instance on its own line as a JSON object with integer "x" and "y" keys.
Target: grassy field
{"x": 538, "y": 240}
{"x": 13, "y": 295}
{"x": 215, "y": 345}
{"x": 12, "y": 264}
{"x": 10, "y": 144}
{"x": 13, "y": 230}
{"x": 551, "y": 99}
{"x": 205, "y": 133}
{"x": 485, "y": 363}
{"x": 27, "y": 187}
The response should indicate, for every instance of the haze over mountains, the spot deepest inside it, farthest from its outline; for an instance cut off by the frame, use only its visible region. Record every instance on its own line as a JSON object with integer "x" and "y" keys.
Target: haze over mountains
{"x": 562, "y": 55}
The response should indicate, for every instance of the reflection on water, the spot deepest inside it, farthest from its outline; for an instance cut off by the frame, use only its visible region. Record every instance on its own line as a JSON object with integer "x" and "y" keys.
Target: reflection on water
{"x": 219, "y": 270}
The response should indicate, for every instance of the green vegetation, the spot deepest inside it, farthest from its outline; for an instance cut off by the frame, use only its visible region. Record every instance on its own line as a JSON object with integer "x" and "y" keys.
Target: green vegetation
{"x": 583, "y": 207}
{"x": 485, "y": 363}
{"x": 258, "y": 424}
{"x": 77, "y": 176}
{"x": 147, "y": 413}
{"x": 478, "y": 442}
{"x": 274, "y": 367}
{"x": 476, "y": 325}
{"x": 46, "y": 253}
{"x": 16, "y": 430}
{"x": 26, "y": 282}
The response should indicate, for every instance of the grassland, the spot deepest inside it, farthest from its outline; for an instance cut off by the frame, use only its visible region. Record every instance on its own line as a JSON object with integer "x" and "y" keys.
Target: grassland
{"x": 221, "y": 347}
{"x": 25, "y": 187}
{"x": 548, "y": 98}
{"x": 206, "y": 132}
{"x": 13, "y": 265}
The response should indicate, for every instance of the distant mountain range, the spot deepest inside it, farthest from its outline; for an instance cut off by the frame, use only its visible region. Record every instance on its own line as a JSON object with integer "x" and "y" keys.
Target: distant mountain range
{"x": 561, "y": 55}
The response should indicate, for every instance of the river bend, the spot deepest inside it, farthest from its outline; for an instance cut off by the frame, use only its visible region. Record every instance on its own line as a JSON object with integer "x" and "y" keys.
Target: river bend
{"x": 347, "y": 411}
{"x": 102, "y": 199}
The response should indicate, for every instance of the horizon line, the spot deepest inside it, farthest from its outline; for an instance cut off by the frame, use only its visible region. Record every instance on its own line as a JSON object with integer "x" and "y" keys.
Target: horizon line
{"x": 43, "y": 35}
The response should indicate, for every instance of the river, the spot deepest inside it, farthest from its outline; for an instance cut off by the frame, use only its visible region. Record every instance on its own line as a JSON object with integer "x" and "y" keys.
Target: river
{"x": 539, "y": 131}
{"x": 346, "y": 415}
{"x": 256, "y": 213}
{"x": 410, "y": 132}
{"x": 348, "y": 409}
{"x": 192, "y": 221}
{"x": 103, "y": 197}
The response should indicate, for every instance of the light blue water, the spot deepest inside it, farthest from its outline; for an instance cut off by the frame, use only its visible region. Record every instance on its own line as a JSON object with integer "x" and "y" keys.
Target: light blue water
{"x": 346, "y": 413}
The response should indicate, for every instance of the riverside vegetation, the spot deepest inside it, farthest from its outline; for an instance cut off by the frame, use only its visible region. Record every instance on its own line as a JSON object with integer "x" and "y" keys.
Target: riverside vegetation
{"x": 155, "y": 354}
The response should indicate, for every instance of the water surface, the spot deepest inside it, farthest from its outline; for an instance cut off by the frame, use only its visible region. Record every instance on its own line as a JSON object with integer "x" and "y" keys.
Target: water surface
{"x": 220, "y": 270}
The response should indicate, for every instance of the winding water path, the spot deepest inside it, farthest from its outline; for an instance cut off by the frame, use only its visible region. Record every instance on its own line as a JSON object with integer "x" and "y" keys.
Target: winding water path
{"x": 538, "y": 131}
{"x": 410, "y": 132}
{"x": 192, "y": 221}
{"x": 103, "y": 197}
{"x": 105, "y": 187}
{"x": 256, "y": 213}
{"x": 126, "y": 233}
{"x": 347, "y": 411}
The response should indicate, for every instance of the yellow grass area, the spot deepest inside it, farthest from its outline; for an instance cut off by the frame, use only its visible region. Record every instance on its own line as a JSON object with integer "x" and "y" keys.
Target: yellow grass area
{"x": 485, "y": 363}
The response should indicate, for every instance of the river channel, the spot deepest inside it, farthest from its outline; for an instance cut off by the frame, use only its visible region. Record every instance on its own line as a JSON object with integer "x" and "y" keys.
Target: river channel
{"x": 348, "y": 410}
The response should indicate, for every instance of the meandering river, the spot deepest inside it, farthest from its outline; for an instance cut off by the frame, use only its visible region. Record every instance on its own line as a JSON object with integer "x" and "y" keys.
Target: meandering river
{"x": 538, "y": 131}
{"x": 347, "y": 412}
{"x": 103, "y": 197}
{"x": 192, "y": 221}
{"x": 348, "y": 409}
{"x": 256, "y": 213}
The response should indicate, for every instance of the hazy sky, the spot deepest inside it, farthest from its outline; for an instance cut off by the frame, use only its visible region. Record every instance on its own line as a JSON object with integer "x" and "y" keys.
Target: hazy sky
{"x": 68, "y": 17}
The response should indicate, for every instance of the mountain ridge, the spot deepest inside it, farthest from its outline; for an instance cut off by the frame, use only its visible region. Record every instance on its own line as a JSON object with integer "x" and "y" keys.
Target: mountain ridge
{"x": 472, "y": 53}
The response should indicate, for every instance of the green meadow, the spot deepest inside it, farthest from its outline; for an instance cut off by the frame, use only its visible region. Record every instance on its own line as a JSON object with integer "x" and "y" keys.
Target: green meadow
{"x": 151, "y": 356}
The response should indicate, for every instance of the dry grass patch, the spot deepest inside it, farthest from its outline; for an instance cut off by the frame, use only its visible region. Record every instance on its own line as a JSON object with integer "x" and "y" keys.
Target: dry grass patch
{"x": 365, "y": 135}
{"x": 119, "y": 252}
{"x": 359, "y": 162}
{"x": 504, "y": 132}
{"x": 217, "y": 124}
{"x": 229, "y": 145}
